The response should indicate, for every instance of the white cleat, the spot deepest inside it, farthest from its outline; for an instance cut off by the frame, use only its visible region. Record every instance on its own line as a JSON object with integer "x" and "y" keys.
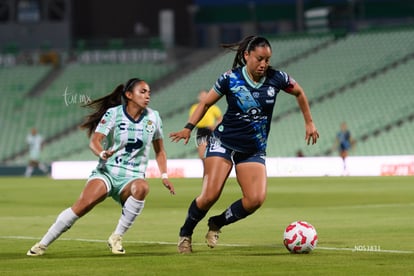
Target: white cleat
{"x": 115, "y": 244}
{"x": 212, "y": 235}
{"x": 184, "y": 245}
{"x": 37, "y": 250}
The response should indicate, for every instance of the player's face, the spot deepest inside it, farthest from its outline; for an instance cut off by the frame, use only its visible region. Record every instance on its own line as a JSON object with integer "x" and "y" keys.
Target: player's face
{"x": 140, "y": 94}
{"x": 257, "y": 61}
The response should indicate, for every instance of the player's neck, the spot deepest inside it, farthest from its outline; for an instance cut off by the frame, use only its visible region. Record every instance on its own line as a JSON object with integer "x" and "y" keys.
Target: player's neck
{"x": 254, "y": 79}
{"x": 134, "y": 111}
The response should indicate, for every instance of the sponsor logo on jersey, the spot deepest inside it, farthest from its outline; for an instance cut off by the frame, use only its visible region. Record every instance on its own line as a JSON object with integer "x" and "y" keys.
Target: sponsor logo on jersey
{"x": 133, "y": 145}
{"x": 123, "y": 126}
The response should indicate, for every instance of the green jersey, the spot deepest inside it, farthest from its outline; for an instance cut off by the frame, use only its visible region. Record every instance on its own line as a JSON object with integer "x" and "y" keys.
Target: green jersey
{"x": 129, "y": 139}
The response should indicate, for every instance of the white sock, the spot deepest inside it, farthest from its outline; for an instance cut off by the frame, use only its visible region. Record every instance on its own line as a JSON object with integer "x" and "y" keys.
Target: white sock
{"x": 63, "y": 222}
{"x": 43, "y": 168}
{"x": 132, "y": 208}
{"x": 29, "y": 171}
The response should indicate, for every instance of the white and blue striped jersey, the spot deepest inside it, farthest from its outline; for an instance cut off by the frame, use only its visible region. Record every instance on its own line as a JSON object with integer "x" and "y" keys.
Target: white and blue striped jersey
{"x": 131, "y": 140}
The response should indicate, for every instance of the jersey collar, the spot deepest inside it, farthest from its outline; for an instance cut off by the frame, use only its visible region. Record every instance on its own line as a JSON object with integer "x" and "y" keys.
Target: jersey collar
{"x": 132, "y": 119}
{"x": 250, "y": 81}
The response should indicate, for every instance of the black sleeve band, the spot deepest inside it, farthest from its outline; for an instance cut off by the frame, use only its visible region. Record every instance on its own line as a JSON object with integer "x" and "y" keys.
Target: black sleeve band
{"x": 190, "y": 126}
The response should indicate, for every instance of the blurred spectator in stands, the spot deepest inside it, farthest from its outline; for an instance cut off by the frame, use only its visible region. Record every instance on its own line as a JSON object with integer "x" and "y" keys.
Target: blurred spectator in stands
{"x": 35, "y": 142}
{"x": 299, "y": 153}
{"x": 140, "y": 29}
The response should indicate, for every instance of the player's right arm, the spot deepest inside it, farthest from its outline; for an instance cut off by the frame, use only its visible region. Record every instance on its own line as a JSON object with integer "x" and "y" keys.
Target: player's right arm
{"x": 106, "y": 124}
{"x": 95, "y": 144}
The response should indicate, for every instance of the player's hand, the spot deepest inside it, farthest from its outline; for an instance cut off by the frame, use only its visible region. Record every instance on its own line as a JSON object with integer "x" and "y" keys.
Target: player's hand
{"x": 185, "y": 134}
{"x": 312, "y": 134}
{"x": 167, "y": 184}
{"x": 105, "y": 154}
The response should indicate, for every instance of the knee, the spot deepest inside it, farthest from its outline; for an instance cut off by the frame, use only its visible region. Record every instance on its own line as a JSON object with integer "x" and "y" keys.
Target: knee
{"x": 83, "y": 206}
{"x": 205, "y": 202}
{"x": 251, "y": 204}
{"x": 139, "y": 190}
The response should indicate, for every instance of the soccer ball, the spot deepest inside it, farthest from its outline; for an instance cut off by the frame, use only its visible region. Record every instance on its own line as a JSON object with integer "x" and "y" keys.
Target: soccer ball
{"x": 300, "y": 237}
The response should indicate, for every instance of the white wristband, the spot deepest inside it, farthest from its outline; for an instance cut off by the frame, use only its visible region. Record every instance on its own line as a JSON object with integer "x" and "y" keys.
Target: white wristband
{"x": 164, "y": 176}
{"x": 102, "y": 154}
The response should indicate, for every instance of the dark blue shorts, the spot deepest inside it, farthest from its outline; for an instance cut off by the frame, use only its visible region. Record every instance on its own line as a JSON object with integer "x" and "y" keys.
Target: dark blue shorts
{"x": 344, "y": 146}
{"x": 215, "y": 148}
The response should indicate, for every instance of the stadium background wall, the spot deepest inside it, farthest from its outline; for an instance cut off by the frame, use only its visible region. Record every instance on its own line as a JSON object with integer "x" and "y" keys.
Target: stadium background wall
{"x": 62, "y": 24}
{"x": 18, "y": 171}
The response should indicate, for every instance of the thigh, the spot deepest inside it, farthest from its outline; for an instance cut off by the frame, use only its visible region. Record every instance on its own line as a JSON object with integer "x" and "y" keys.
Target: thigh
{"x": 138, "y": 188}
{"x": 216, "y": 172}
{"x": 252, "y": 179}
{"x": 94, "y": 192}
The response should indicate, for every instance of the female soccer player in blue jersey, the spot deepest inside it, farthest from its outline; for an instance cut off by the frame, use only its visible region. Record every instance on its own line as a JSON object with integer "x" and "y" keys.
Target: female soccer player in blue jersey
{"x": 250, "y": 89}
{"x": 121, "y": 136}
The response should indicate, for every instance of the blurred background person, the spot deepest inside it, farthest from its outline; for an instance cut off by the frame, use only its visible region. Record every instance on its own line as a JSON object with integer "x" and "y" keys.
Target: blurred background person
{"x": 206, "y": 125}
{"x": 35, "y": 142}
{"x": 344, "y": 143}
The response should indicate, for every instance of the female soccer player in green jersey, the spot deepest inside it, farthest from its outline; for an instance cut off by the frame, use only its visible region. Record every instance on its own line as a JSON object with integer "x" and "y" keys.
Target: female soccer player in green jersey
{"x": 121, "y": 136}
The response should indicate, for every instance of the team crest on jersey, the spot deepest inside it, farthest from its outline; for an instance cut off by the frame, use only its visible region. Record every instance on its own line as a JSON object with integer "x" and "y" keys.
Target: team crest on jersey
{"x": 271, "y": 92}
{"x": 150, "y": 127}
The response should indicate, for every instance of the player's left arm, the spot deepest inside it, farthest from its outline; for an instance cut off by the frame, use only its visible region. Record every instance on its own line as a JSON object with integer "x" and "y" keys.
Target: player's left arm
{"x": 161, "y": 159}
{"x": 311, "y": 132}
{"x": 219, "y": 116}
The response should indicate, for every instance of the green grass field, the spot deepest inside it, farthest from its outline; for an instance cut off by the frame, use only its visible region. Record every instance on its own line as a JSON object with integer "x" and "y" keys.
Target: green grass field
{"x": 365, "y": 227}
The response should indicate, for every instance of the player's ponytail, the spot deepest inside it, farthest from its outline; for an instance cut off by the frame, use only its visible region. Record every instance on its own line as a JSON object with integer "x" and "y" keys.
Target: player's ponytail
{"x": 100, "y": 106}
{"x": 248, "y": 44}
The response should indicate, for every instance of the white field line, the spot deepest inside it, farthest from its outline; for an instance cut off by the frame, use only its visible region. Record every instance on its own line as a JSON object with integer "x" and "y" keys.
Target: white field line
{"x": 221, "y": 244}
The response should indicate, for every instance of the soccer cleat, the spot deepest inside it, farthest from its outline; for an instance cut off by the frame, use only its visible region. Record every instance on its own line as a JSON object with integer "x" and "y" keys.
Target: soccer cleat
{"x": 115, "y": 244}
{"x": 212, "y": 234}
{"x": 37, "y": 250}
{"x": 184, "y": 245}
